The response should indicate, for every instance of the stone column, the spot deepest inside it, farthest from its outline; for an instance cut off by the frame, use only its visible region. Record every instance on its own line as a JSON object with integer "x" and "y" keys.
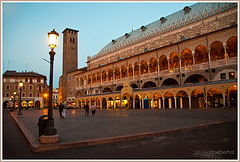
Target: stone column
{"x": 168, "y": 63}
{"x": 107, "y": 104}
{"x": 91, "y": 79}
{"x": 148, "y": 71}
{"x": 134, "y": 72}
{"x": 163, "y": 102}
{"x": 159, "y": 103}
{"x": 170, "y": 102}
{"x": 175, "y": 102}
{"x": 209, "y": 57}
{"x": 114, "y": 105}
{"x": 100, "y": 104}
{"x": 139, "y": 69}
{"x": 121, "y": 102}
{"x": 224, "y": 103}
{"x": 181, "y": 103}
{"x": 142, "y": 103}
{"x": 152, "y": 103}
{"x": 225, "y": 50}
{"x": 193, "y": 54}
{"x": 189, "y": 99}
{"x": 133, "y": 103}
{"x": 113, "y": 77}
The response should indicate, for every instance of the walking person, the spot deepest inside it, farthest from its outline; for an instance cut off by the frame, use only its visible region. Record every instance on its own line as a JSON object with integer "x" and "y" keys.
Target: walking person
{"x": 60, "y": 110}
{"x": 93, "y": 110}
{"x": 64, "y": 110}
{"x": 86, "y": 109}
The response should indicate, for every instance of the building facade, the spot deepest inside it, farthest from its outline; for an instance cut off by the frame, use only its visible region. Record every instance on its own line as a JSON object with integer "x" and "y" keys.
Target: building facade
{"x": 34, "y": 91}
{"x": 188, "y": 59}
{"x": 55, "y": 97}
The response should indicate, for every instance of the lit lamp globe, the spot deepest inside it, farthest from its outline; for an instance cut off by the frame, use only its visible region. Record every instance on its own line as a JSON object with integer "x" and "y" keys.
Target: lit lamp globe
{"x": 52, "y": 39}
{"x": 20, "y": 84}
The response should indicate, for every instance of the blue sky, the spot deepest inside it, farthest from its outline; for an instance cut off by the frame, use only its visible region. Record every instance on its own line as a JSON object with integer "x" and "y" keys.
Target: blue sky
{"x": 25, "y": 26}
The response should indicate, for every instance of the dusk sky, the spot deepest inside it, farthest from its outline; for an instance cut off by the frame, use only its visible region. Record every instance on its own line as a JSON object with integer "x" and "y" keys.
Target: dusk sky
{"x": 25, "y": 26}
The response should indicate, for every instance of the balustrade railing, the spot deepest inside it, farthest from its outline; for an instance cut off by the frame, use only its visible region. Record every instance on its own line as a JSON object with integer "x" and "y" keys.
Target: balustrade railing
{"x": 218, "y": 63}
{"x": 233, "y": 60}
{"x": 202, "y": 66}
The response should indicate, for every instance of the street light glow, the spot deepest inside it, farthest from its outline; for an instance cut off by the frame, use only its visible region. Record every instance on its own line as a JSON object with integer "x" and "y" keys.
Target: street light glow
{"x": 20, "y": 84}
{"x": 52, "y": 39}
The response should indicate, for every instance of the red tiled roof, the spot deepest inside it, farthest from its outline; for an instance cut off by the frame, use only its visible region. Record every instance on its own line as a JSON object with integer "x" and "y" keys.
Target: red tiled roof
{"x": 13, "y": 73}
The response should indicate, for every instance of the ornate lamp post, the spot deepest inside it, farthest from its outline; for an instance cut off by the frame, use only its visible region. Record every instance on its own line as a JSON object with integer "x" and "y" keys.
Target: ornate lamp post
{"x": 50, "y": 130}
{"x": 14, "y": 94}
{"x": 20, "y": 100}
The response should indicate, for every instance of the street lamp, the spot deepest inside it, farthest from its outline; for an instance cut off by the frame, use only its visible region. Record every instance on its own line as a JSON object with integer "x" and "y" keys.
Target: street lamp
{"x": 14, "y": 94}
{"x": 50, "y": 130}
{"x": 20, "y": 100}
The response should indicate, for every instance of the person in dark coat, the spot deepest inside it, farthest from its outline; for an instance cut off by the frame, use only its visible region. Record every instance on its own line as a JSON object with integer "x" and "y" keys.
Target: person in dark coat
{"x": 86, "y": 109}
{"x": 60, "y": 110}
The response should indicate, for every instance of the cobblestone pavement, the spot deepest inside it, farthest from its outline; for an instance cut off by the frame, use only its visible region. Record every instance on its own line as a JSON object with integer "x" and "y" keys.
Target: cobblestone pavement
{"x": 113, "y": 123}
{"x": 214, "y": 142}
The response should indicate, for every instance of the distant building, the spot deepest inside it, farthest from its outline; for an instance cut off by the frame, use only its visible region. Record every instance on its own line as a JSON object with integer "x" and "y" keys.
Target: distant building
{"x": 34, "y": 90}
{"x": 187, "y": 59}
{"x": 55, "y": 97}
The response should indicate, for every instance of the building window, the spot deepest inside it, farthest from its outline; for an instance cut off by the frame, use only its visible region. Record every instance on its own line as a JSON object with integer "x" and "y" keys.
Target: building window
{"x": 16, "y": 87}
{"x": 30, "y": 87}
{"x": 7, "y": 94}
{"x": 26, "y": 80}
{"x": 73, "y": 40}
{"x": 96, "y": 91}
{"x": 231, "y": 75}
{"x": 39, "y": 88}
{"x": 38, "y": 80}
{"x": 30, "y": 95}
{"x": 23, "y": 94}
{"x": 223, "y": 76}
{"x": 8, "y": 87}
{"x": 31, "y": 80}
{"x": 70, "y": 39}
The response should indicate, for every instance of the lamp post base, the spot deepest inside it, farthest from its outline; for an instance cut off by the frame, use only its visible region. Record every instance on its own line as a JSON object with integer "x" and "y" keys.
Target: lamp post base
{"x": 50, "y": 129}
{"x": 45, "y": 139}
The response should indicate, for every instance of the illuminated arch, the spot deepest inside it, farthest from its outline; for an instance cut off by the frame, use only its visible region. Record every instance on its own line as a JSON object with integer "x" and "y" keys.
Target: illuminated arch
{"x": 94, "y": 78}
{"x": 117, "y": 73}
{"x": 153, "y": 65}
{"x": 231, "y": 47}
{"x": 174, "y": 60}
{"x": 124, "y": 71}
{"x": 163, "y": 63}
{"x": 217, "y": 51}
{"x": 104, "y": 76}
{"x": 98, "y": 77}
{"x": 201, "y": 54}
{"x": 89, "y": 79}
{"x": 110, "y": 74}
{"x": 136, "y": 69}
{"x": 187, "y": 58}
{"x": 130, "y": 70}
{"x": 144, "y": 67}
{"x": 215, "y": 98}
